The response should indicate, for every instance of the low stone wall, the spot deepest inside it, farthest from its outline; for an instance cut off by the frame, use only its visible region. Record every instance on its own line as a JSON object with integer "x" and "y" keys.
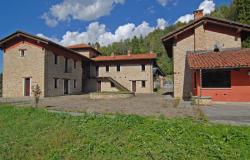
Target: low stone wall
{"x": 111, "y": 95}
{"x": 202, "y": 101}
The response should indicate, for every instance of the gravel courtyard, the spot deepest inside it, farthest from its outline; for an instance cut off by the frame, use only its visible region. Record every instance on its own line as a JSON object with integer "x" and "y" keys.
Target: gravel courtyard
{"x": 142, "y": 104}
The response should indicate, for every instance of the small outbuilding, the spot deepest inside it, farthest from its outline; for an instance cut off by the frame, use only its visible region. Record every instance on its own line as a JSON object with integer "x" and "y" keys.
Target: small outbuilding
{"x": 223, "y": 76}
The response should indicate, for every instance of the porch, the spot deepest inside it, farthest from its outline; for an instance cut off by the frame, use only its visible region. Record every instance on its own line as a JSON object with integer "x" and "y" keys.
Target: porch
{"x": 223, "y": 76}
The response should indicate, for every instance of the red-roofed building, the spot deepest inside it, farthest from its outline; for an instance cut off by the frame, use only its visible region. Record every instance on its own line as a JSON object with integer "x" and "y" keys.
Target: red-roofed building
{"x": 208, "y": 59}
{"x": 128, "y": 57}
{"x": 138, "y": 73}
{"x": 85, "y": 50}
{"x": 31, "y": 60}
{"x": 224, "y": 76}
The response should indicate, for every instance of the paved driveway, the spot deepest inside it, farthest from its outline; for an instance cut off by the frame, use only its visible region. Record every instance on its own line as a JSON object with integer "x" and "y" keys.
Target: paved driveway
{"x": 141, "y": 104}
{"x": 229, "y": 113}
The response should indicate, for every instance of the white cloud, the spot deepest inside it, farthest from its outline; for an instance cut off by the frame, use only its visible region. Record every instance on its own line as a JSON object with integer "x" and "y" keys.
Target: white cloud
{"x": 186, "y": 18}
{"x": 49, "y": 21}
{"x": 161, "y": 23}
{"x": 164, "y": 2}
{"x": 49, "y": 38}
{"x": 208, "y": 6}
{"x": 96, "y": 32}
{"x": 79, "y": 10}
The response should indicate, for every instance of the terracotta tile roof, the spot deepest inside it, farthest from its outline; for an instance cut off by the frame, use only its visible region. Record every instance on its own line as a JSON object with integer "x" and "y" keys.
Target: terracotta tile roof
{"x": 39, "y": 39}
{"x": 224, "y": 59}
{"x": 83, "y": 46}
{"x": 79, "y": 46}
{"x": 126, "y": 57}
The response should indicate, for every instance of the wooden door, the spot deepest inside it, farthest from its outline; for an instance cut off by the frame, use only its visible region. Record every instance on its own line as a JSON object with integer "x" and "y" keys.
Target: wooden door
{"x": 66, "y": 86}
{"x": 27, "y": 87}
{"x": 133, "y": 86}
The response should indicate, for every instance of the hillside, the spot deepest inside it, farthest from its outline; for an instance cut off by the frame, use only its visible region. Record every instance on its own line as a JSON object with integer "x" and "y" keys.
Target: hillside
{"x": 151, "y": 42}
{"x": 238, "y": 10}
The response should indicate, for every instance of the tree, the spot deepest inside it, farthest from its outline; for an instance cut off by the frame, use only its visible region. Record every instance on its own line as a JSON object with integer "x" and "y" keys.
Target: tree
{"x": 239, "y": 11}
{"x": 36, "y": 93}
{"x": 242, "y": 10}
{"x": 152, "y": 42}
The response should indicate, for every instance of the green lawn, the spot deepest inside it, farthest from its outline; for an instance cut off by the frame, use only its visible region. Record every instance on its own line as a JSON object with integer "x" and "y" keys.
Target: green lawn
{"x": 27, "y": 133}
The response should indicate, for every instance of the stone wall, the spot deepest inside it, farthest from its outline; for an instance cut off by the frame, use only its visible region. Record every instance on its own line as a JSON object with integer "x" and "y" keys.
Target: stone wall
{"x": 16, "y": 68}
{"x": 106, "y": 87}
{"x": 53, "y": 71}
{"x": 128, "y": 73}
{"x": 182, "y": 73}
{"x": 110, "y": 95}
{"x": 202, "y": 38}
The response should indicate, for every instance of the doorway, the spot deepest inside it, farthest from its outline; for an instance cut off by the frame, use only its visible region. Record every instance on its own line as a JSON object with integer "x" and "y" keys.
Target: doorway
{"x": 66, "y": 86}
{"x": 27, "y": 87}
{"x": 134, "y": 86}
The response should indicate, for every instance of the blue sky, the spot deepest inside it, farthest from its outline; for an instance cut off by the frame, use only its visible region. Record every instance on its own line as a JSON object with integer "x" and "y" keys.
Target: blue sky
{"x": 31, "y": 15}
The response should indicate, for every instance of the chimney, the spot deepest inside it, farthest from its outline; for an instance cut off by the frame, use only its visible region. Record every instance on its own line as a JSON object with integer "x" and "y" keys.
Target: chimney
{"x": 150, "y": 51}
{"x": 129, "y": 52}
{"x": 198, "y": 14}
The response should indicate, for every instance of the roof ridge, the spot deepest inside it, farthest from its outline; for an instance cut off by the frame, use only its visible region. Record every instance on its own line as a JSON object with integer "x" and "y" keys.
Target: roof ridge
{"x": 206, "y": 17}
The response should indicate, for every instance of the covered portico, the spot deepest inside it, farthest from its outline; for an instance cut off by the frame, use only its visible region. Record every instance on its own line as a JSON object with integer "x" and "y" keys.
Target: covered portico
{"x": 223, "y": 76}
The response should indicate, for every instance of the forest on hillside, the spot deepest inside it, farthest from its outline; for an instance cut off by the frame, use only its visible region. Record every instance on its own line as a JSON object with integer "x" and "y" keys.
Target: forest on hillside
{"x": 238, "y": 10}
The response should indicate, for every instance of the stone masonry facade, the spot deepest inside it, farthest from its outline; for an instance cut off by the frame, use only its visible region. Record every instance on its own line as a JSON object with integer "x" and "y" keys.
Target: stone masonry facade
{"x": 59, "y": 71}
{"x": 17, "y": 68}
{"x": 202, "y": 38}
{"x": 38, "y": 65}
{"x": 127, "y": 74}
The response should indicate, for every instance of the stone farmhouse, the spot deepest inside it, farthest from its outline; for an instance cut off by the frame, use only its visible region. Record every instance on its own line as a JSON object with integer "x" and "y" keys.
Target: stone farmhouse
{"x": 77, "y": 69}
{"x": 208, "y": 59}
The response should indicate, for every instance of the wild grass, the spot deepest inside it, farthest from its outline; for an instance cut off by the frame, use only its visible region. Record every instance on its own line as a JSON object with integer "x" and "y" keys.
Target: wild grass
{"x": 27, "y": 133}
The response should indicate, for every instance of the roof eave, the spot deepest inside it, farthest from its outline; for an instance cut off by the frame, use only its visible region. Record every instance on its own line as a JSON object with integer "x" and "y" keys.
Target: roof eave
{"x": 202, "y": 20}
{"x": 226, "y": 67}
{"x": 39, "y": 39}
{"x": 123, "y": 59}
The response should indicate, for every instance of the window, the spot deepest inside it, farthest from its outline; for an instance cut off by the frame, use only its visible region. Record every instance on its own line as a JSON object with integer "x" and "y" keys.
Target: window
{"x": 74, "y": 83}
{"x": 118, "y": 68}
{"x": 55, "y": 82}
{"x": 97, "y": 70}
{"x": 22, "y": 52}
{"x": 112, "y": 84}
{"x": 216, "y": 78}
{"x": 75, "y": 64}
{"x": 107, "y": 68}
{"x": 143, "y": 84}
{"x": 143, "y": 67}
{"x": 66, "y": 65}
{"x": 56, "y": 59}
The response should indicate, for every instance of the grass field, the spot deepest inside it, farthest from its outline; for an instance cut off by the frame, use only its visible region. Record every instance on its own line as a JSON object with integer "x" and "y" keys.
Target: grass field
{"x": 27, "y": 133}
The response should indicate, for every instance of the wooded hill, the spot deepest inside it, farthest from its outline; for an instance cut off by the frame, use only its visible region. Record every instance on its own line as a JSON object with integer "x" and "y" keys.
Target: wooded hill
{"x": 238, "y": 10}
